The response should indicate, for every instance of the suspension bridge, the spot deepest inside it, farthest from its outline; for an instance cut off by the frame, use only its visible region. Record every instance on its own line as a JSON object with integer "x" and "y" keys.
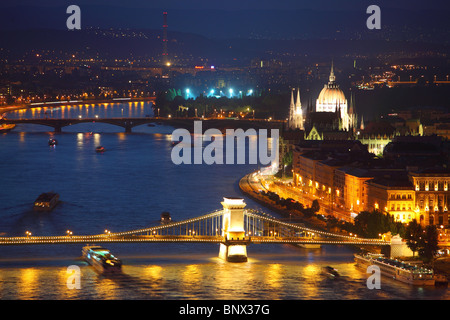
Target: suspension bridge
{"x": 232, "y": 226}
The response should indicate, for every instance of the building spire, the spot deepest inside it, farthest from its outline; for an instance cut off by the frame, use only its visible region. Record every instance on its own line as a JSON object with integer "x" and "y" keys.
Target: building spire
{"x": 295, "y": 112}
{"x": 332, "y": 77}
{"x": 351, "y": 107}
{"x": 299, "y": 112}
{"x": 292, "y": 98}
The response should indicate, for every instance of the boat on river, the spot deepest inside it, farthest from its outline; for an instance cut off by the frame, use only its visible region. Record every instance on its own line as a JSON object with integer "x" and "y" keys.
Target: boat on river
{"x": 330, "y": 272}
{"x": 6, "y": 127}
{"x": 398, "y": 270}
{"x": 46, "y": 201}
{"x": 101, "y": 259}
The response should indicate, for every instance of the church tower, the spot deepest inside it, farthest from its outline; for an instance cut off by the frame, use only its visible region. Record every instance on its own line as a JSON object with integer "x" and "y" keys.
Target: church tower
{"x": 295, "y": 113}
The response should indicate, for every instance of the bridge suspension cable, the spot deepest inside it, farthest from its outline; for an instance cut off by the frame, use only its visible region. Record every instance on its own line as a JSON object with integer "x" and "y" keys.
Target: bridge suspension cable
{"x": 258, "y": 226}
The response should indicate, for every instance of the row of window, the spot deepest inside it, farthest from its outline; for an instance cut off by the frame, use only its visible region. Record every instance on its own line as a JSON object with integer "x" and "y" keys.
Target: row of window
{"x": 399, "y": 196}
{"x": 432, "y": 186}
{"x": 398, "y": 207}
{"x": 431, "y": 219}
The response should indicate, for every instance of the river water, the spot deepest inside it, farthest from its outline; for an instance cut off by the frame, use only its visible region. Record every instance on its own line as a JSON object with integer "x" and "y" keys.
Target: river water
{"x": 128, "y": 187}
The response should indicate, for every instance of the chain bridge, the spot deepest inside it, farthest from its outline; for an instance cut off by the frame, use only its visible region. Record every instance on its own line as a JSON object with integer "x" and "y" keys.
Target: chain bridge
{"x": 233, "y": 227}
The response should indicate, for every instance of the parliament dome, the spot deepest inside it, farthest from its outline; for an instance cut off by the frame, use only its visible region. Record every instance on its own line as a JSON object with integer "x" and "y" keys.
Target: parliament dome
{"x": 331, "y": 95}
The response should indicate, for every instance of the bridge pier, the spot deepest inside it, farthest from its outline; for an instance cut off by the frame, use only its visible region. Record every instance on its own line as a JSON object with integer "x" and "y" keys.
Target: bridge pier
{"x": 399, "y": 248}
{"x": 58, "y": 129}
{"x": 128, "y": 125}
{"x": 234, "y": 248}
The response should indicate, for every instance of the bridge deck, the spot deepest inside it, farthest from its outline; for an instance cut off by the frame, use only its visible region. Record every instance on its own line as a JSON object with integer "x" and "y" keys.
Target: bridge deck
{"x": 129, "y": 123}
{"x": 177, "y": 239}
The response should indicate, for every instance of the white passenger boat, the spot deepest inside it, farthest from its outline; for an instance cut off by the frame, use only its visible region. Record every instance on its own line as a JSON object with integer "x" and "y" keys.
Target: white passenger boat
{"x": 401, "y": 271}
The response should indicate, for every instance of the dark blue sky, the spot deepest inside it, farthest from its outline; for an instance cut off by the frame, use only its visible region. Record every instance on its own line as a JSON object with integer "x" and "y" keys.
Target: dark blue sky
{"x": 233, "y": 18}
{"x": 246, "y": 4}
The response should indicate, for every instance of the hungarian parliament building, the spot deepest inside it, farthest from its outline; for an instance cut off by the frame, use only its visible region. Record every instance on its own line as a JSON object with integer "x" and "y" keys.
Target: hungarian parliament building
{"x": 352, "y": 166}
{"x": 332, "y": 110}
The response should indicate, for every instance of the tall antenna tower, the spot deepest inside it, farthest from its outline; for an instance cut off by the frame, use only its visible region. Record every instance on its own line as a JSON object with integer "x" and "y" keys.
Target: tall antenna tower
{"x": 165, "y": 55}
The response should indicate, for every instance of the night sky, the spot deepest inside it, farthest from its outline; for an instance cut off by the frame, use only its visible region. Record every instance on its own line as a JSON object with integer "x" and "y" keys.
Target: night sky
{"x": 223, "y": 19}
{"x": 247, "y": 4}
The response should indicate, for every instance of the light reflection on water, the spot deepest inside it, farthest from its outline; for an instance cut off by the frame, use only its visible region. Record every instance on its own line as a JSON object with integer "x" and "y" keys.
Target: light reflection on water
{"x": 90, "y": 111}
{"x": 128, "y": 187}
{"x": 213, "y": 279}
{"x": 205, "y": 276}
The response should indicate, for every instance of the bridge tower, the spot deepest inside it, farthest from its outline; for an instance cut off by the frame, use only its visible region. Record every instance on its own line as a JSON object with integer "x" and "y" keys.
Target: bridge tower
{"x": 399, "y": 248}
{"x": 234, "y": 247}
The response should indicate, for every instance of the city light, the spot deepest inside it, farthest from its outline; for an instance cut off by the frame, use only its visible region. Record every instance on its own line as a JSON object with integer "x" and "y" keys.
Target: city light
{"x": 344, "y": 176}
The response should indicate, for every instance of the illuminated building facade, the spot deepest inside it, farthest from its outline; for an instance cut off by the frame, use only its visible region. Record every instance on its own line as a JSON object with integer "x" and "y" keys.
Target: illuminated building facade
{"x": 431, "y": 196}
{"x": 319, "y": 169}
{"x": 343, "y": 174}
{"x": 355, "y": 190}
{"x": 376, "y": 135}
{"x": 394, "y": 196}
{"x": 304, "y": 168}
{"x": 325, "y": 179}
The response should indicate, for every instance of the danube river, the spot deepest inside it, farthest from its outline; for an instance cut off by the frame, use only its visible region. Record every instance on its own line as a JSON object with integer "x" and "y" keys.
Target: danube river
{"x": 128, "y": 187}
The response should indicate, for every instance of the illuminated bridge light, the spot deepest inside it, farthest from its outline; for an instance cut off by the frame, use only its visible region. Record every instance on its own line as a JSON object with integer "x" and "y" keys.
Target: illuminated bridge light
{"x": 212, "y": 219}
